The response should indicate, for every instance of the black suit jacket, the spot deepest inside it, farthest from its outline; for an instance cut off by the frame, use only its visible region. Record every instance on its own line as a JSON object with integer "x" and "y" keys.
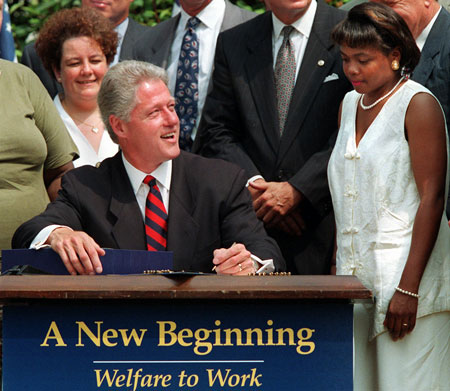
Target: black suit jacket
{"x": 240, "y": 123}
{"x": 31, "y": 59}
{"x": 209, "y": 208}
{"x": 433, "y": 70}
{"x": 156, "y": 43}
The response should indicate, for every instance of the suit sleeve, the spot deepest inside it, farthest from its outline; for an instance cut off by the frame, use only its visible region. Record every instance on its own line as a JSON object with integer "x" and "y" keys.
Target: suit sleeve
{"x": 240, "y": 224}
{"x": 31, "y": 59}
{"x": 312, "y": 179}
{"x": 26, "y": 59}
{"x": 220, "y": 133}
{"x": 63, "y": 211}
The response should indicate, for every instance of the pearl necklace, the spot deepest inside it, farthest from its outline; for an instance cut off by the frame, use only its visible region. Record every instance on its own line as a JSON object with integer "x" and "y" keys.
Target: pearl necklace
{"x": 364, "y": 107}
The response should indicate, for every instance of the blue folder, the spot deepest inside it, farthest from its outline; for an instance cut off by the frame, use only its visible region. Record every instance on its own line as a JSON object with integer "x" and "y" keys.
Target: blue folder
{"x": 114, "y": 261}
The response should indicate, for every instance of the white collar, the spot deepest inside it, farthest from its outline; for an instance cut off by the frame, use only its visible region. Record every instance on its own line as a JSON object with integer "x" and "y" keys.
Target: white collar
{"x": 303, "y": 24}
{"x": 421, "y": 39}
{"x": 163, "y": 174}
{"x": 210, "y": 16}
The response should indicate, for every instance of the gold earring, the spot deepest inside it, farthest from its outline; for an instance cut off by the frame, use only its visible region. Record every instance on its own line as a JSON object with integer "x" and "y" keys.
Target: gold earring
{"x": 395, "y": 65}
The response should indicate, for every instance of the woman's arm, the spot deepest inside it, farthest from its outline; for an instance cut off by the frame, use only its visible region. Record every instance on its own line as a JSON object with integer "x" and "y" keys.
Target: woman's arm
{"x": 52, "y": 179}
{"x": 425, "y": 132}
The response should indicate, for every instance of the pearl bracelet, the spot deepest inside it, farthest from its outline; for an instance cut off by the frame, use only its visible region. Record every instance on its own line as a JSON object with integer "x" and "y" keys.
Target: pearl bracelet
{"x": 416, "y": 295}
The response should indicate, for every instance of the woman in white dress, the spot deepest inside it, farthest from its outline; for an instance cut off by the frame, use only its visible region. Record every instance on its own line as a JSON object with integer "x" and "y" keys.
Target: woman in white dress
{"x": 77, "y": 45}
{"x": 388, "y": 177}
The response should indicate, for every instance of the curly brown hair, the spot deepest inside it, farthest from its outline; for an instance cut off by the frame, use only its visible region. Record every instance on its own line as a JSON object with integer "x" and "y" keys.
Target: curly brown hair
{"x": 72, "y": 23}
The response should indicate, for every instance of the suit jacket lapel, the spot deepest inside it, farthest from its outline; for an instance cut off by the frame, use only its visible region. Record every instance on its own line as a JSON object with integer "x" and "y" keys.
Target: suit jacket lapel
{"x": 260, "y": 77}
{"x": 162, "y": 45}
{"x": 126, "y": 51}
{"x": 316, "y": 64}
{"x": 182, "y": 228}
{"x": 128, "y": 227}
{"x": 430, "y": 50}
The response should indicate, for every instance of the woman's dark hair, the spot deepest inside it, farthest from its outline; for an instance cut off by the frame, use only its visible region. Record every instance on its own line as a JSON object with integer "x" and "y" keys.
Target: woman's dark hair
{"x": 73, "y": 23}
{"x": 377, "y": 25}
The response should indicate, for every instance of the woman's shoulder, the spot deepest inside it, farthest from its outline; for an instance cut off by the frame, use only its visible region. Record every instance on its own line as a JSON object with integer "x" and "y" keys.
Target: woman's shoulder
{"x": 349, "y": 101}
{"x": 18, "y": 74}
{"x": 414, "y": 87}
{"x": 417, "y": 94}
{"x": 14, "y": 69}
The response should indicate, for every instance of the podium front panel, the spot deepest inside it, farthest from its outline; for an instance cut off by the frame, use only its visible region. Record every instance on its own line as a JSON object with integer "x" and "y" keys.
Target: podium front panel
{"x": 178, "y": 345}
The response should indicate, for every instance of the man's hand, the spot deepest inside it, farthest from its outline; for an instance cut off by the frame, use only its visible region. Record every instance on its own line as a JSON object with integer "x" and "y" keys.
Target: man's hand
{"x": 234, "y": 261}
{"x": 78, "y": 251}
{"x": 275, "y": 203}
{"x": 292, "y": 224}
{"x": 254, "y": 191}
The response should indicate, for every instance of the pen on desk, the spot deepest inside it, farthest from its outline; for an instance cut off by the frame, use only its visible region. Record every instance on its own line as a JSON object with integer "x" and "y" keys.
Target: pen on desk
{"x": 214, "y": 267}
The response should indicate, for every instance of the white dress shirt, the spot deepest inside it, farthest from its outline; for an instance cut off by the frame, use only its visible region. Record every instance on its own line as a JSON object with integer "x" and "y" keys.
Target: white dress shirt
{"x": 211, "y": 18}
{"x": 163, "y": 176}
{"x": 88, "y": 156}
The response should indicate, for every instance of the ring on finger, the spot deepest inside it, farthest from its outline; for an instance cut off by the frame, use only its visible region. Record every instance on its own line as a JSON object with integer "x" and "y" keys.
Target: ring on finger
{"x": 240, "y": 267}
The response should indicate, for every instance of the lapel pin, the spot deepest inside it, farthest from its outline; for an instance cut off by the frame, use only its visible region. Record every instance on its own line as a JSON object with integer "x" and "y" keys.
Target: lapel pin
{"x": 320, "y": 63}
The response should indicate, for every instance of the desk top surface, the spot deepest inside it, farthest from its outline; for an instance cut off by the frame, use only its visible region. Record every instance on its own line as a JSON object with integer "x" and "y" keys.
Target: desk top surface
{"x": 181, "y": 287}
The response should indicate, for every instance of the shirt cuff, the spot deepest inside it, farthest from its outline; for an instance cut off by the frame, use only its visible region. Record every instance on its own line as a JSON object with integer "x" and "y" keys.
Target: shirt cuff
{"x": 39, "y": 240}
{"x": 253, "y": 179}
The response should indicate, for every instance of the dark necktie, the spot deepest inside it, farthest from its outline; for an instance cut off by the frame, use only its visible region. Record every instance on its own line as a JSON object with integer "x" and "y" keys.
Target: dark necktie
{"x": 285, "y": 76}
{"x": 186, "y": 88}
{"x": 155, "y": 218}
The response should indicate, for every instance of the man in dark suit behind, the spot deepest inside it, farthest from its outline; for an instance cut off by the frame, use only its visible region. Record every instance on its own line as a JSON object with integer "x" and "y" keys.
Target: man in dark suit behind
{"x": 117, "y": 11}
{"x": 162, "y": 44}
{"x": 242, "y": 123}
{"x": 430, "y": 26}
{"x": 210, "y": 222}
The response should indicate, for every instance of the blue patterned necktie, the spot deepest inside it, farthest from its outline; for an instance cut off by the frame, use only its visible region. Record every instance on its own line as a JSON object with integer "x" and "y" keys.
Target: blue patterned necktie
{"x": 186, "y": 88}
{"x": 285, "y": 68}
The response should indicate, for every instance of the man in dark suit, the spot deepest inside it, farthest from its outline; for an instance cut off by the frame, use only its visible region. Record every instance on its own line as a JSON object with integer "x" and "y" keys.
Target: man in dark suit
{"x": 162, "y": 45}
{"x": 430, "y": 26}
{"x": 210, "y": 217}
{"x": 241, "y": 122}
{"x": 117, "y": 11}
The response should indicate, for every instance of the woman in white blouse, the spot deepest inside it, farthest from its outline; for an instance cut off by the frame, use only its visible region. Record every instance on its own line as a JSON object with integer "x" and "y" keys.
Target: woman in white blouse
{"x": 388, "y": 176}
{"x": 77, "y": 45}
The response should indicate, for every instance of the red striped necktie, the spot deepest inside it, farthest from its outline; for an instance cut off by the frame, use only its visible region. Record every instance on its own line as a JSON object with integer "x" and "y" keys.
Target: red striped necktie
{"x": 155, "y": 218}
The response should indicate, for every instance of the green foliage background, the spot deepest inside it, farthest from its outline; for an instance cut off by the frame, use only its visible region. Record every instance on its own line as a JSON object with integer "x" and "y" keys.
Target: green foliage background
{"x": 27, "y": 16}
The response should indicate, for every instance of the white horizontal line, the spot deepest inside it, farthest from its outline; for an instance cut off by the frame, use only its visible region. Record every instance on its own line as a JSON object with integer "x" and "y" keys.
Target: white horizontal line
{"x": 181, "y": 362}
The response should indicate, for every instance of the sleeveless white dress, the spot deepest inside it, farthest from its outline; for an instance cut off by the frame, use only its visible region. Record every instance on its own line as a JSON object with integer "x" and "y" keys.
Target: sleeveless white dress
{"x": 375, "y": 200}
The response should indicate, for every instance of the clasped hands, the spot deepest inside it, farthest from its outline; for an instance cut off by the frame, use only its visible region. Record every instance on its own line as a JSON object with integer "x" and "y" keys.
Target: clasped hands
{"x": 81, "y": 254}
{"x": 275, "y": 203}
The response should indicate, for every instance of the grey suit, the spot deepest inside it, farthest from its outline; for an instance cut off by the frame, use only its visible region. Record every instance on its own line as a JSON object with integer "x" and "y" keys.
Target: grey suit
{"x": 240, "y": 124}
{"x": 433, "y": 70}
{"x": 155, "y": 45}
{"x": 31, "y": 59}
